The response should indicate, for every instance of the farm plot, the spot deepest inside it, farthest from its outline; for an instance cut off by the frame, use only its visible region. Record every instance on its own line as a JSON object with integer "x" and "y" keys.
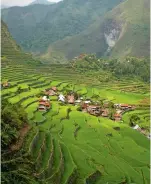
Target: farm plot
{"x": 70, "y": 146}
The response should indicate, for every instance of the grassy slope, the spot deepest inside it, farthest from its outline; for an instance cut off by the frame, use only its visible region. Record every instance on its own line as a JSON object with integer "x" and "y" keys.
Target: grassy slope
{"x": 11, "y": 52}
{"x": 133, "y": 40}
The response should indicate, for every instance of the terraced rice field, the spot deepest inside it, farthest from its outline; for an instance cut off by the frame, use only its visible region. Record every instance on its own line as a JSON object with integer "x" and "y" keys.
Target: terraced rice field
{"x": 75, "y": 147}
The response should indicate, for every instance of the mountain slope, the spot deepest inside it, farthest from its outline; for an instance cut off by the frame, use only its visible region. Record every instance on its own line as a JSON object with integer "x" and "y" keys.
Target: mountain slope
{"x": 123, "y": 31}
{"x": 36, "y": 27}
{"x": 10, "y": 51}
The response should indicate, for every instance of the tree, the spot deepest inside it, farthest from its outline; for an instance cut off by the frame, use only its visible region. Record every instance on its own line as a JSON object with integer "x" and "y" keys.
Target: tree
{"x": 19, "y": 90}
{"x": 15, "y": 168}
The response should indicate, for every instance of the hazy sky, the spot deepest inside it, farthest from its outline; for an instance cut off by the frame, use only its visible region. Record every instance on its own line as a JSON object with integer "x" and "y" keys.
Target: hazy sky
{"x": 20, "y": 2}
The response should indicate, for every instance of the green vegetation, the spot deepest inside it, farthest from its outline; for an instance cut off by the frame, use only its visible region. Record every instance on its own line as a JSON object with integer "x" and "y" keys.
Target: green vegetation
{"x": 11, "y": 52}
{"x": 130, "y": 67}
{"x": 71, "y": 146}
{"x": 64, "y": 145}
{"x": 123, "y": 31}
{"x": 35, "y": 31}
{"x": 16, "y": 164}
{"x": 37, "y": 37}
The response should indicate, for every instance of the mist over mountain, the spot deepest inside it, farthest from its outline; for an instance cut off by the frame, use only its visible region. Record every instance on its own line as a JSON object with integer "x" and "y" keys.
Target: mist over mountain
{"x": 41, "y": 2}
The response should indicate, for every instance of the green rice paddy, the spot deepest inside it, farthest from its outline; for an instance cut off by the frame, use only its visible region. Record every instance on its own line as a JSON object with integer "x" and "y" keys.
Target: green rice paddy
{"x": 70, "y": 149}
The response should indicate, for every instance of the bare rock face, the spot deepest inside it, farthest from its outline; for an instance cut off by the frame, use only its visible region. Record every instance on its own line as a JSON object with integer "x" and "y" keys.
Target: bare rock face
{"x": 112, "y": 31}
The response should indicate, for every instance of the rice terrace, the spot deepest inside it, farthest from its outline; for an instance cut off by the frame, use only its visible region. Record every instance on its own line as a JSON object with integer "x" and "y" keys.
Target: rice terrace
{"x": 72, "y": 146}
{"x": 75, "y": 95}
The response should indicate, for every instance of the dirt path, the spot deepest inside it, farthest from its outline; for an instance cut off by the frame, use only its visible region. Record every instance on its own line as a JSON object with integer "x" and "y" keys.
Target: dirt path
{"x": 22, "y": 133}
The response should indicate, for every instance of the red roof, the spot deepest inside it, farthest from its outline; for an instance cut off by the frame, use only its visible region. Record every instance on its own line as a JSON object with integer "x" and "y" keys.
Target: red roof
{"x": 93, "y": 106}
{"x": 117, "y": 115}
{"x": 54, "y": 88}
{"x": 84, "y": 105}
{"x": 47, "y": 104}
{"x": 41, "y": 100}
{"x": 124, "y": 105}
{"x": 41, "y": 103}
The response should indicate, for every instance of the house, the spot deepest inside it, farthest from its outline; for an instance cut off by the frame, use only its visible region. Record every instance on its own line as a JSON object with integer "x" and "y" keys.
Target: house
{"x": 87, "y": 102}
{"x": 44, "y": 104}
{"x": 119, "y": 111}
{"x": 105, "y": 113}
{"x": 94, "y": 110}
{"x": 70, "y": 99}
{"x": 54, "y": 89}
{"x": 6, "y": 84}
{"x": 106, "y": 105}
{"x": 42, "y": 108}
{"x": 61, "y": 98}
{"x": 81, "y": 56}
{"x": 78, "y": 102}
{"x": 45, "y": 98}
{"x": 117, "y": 117}
{"x": 84, "y": 106}
{"x": 136, "y": 127}
{"x": 47, "y": 104}
{"x": 124, "y": 106}
{"x": 117, "y": 106}
{"x": 50, "y": 92}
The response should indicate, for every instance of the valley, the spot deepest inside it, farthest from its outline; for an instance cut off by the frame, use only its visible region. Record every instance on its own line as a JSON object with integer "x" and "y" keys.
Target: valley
{"x": 75, "y": 93}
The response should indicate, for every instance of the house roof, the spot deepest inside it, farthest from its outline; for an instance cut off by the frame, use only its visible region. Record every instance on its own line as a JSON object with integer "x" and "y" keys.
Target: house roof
{"x": 44, "y": 97}
{"x": 42, "y": 107}
{"x": 93, "y": 106}
{"x": 47, "y": 104}
{"x": 87, "y": 101}
{"x": 61, "y": 98}
{"x": 61, "y": 95}
{"x": 117, "y": 115}
{"x": 136, "y": 127}
{"x": 54, "y": 88}
{"x": 70, "y": 98}
{"x": 5, "y": 84}
{"x": 124, "y": 105}
{"x": 78, "y": 101}
{"x": 41, "y": 103}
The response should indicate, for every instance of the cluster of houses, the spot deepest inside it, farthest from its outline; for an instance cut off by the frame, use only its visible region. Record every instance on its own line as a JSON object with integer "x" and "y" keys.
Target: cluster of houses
{"x": 86, "y": 105}
{"x": 104, "y": 111}
{"x": 120, "y": 109}
{"x": 96, "y": 109}
{"x": 44, "y": 104}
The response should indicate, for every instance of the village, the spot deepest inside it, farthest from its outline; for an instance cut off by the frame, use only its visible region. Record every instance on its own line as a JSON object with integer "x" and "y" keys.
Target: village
{"x": 107, "y": 109}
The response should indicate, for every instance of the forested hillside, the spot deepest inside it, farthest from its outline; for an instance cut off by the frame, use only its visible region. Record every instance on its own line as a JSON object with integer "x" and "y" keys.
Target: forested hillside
{"x": 16, "y": 165}
{"x": 36, "y": 27}
{"x": 124, "y": 31}
{"x": 138, "y": 68}
{"x": 66, "y": 29}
